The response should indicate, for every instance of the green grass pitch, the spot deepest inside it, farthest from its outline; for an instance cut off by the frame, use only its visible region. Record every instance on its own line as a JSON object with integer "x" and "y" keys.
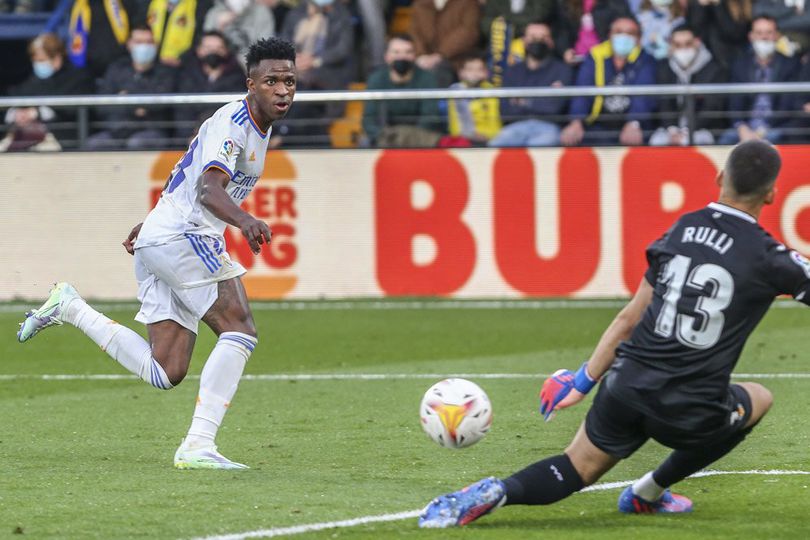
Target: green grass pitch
{"x": 92, "y": 459}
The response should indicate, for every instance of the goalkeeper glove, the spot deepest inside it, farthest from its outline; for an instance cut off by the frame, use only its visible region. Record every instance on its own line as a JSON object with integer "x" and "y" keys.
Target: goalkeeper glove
{"x": 559, "y": 385}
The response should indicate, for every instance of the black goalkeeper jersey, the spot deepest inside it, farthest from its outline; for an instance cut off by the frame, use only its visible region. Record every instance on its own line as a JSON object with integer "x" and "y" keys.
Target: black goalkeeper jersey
{"x": 715, "y": 273}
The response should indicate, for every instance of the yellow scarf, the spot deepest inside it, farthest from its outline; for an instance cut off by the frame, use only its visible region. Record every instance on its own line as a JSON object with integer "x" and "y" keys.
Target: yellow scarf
{"x": 79, "y": 28}
{"x": 176, "y": 34}
{"x": 600, "y": 54}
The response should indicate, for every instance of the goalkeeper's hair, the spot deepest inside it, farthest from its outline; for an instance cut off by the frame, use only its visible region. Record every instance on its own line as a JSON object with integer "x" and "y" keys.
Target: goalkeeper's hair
{"x": 269, "y": 49}
{"x": 752, "y": 168}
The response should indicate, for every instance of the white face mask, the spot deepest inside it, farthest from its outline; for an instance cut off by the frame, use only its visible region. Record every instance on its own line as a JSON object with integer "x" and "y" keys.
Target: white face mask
{"x": 764, "y": 48}
{"x": 517, "y": 5}
{"x": 237, "y": 6}
{"x": 684, "y": 57}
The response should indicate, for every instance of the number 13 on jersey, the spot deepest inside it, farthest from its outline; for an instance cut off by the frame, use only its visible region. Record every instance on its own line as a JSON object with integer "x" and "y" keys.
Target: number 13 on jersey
{"x": 701, "y": 328}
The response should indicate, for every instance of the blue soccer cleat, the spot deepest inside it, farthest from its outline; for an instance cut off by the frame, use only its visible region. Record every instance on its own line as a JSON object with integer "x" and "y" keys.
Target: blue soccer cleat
{"x": 669, "y": 503}
{"x": 462, "y": 507}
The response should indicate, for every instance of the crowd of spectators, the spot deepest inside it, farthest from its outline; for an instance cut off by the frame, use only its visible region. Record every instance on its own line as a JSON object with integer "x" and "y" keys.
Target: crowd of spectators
{"x": 197, "y": 46}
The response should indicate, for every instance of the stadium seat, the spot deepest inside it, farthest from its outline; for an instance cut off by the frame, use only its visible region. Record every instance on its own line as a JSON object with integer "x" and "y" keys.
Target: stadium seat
{"x": 345, "y": 132}
{"x": 22, "y": 26}
{"x": 401, "y": 21}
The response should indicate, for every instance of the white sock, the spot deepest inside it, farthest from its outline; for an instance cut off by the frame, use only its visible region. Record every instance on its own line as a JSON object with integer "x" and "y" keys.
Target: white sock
{"x": 124, "y": 345}
{"x": 646, "y": 488}
{"x": 218, "y": 382}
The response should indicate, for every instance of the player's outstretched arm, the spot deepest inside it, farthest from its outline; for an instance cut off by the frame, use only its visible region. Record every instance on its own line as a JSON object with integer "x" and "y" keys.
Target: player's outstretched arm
{"x": 218, "y": 202}
{"x": 619, "y": 330}
{"x": 565, "y": 388}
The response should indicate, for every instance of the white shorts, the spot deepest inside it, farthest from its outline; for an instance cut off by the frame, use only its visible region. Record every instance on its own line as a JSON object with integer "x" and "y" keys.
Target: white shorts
{"x": 178, "y": 281}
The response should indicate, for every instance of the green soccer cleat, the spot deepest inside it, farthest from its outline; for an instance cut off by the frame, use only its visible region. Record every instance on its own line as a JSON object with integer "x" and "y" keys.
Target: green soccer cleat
{"x": 49, "y": 314}
{"x": 205, "y": 457}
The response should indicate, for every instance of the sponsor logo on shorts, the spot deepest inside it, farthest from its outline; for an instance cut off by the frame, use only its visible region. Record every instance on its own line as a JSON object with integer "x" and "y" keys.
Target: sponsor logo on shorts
{"x": 738, "y": 415}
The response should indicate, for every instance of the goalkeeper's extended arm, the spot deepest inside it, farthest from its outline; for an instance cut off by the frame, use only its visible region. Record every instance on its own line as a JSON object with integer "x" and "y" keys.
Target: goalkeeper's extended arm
{"x": 566, "y": 388}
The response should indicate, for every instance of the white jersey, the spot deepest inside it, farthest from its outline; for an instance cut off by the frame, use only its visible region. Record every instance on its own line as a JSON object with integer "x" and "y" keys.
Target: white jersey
{"x": 230, "y": 141}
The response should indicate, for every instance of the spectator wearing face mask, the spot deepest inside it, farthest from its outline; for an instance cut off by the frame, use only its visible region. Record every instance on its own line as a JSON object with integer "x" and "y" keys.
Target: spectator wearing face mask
{"x": 657, "y": 19}
{"x": 760, "y": 116}
{"x": 689, "y": 62}
{"x": 135, "y": 128}
{"x": 211, "y": 69}
{"x": 792, "y": 17}
{"x": 242, "y": 22}
{"x": 526, "y": 117}
{"x": 401, "y": 122}
{"x": 52, "y": 75}
{"x": 582, "y": 24}
{"x": 474, "y": 119}
{"x": 619, "y": 61}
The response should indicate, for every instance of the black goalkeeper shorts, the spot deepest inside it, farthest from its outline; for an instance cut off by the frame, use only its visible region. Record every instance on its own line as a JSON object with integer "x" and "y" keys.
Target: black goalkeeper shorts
{"x": 617, "y": 428}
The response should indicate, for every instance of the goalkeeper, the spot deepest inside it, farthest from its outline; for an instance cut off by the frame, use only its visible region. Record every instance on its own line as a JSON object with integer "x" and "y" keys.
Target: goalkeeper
{"x": 665, "y": 361}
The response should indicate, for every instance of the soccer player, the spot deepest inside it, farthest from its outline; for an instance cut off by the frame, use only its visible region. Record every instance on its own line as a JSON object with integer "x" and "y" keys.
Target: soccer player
{"x": 665, "y": 361}
{"x": 184, "y": 273}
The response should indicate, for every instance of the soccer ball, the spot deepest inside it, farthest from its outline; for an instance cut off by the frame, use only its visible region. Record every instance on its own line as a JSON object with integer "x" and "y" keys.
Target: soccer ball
{"x": 455, "y": 413}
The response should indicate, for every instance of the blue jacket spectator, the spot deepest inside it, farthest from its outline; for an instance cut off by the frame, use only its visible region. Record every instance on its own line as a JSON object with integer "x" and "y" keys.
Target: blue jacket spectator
{"x": 550, "y": 71}
{"x": 617, "y": 62}
{"x": 540, "y": 69}
{"x": 757, "y": 116}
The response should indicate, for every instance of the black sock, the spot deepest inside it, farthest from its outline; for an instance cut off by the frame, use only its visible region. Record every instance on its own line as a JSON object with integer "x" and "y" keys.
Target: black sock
{"x": 682, "y": 463}
{"x": 544, "y": 482}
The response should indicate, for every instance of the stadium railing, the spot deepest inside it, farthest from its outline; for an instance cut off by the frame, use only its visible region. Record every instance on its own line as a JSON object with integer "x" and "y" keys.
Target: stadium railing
{"x": 85, "y": 105}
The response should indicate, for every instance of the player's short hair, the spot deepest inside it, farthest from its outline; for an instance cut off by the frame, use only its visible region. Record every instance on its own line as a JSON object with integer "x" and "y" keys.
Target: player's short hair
{"x": 269, "y": 49}
{"x": 752, "y": 168}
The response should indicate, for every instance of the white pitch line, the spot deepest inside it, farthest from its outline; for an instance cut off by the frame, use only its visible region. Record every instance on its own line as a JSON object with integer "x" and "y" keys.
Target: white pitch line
{"x": 346, "y": 376}
{"x": 389, "y": 305}
{"x": 399, "y": 516}
{"x": 299, "y": 529}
